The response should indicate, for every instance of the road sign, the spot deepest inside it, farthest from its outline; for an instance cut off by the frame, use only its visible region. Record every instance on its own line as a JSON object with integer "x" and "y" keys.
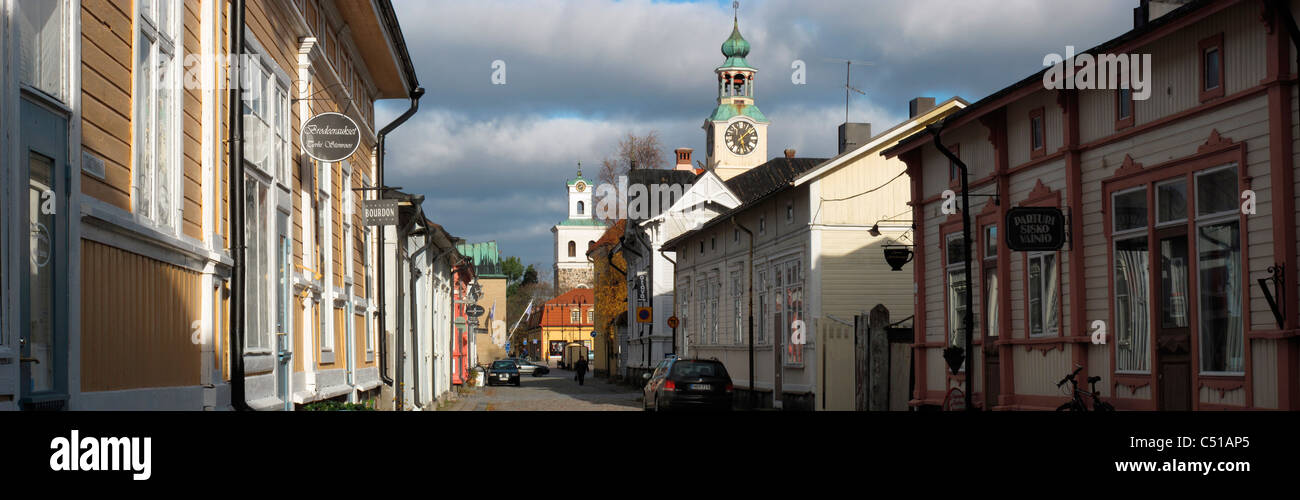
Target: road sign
{"x": 380, "y": 212}
{"x": 643, "y": 315}
{"x": 593, "y": 334}
{"x": 672, "y": 322}
{"x": 474, "y": 310}
{"x": 1033, "y": 229}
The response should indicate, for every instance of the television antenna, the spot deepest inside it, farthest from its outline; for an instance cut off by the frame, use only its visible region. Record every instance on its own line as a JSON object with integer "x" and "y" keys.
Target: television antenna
{"x": 848, "y": 81}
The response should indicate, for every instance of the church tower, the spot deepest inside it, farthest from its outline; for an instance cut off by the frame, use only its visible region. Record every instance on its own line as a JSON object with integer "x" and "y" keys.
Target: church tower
{"x": 574, "y": 236}
{"x": 736, "y": 132}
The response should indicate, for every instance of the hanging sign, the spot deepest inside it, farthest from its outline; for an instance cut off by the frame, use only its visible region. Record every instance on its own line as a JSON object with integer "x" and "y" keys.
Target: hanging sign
{"x": 330, "y": 137}
{"x": 379, "y": 212}
{"x": 1035, "y": 229}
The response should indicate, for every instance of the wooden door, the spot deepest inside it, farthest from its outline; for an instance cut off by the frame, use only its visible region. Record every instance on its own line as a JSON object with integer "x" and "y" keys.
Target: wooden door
{"x": 1173, "y": 321}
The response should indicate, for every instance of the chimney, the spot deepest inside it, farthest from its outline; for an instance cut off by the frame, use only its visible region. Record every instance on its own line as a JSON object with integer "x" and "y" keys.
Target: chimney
{"x": 684, "y": 159}
{"x": 919, "y": 106}
{"x": 1150, "y": 10}
{"x": 789, "y": 153}
{"x": 853, "y": 135}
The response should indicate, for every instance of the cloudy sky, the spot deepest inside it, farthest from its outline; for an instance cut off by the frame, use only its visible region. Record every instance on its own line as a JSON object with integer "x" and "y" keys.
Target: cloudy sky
{"x": 492, "y": 160}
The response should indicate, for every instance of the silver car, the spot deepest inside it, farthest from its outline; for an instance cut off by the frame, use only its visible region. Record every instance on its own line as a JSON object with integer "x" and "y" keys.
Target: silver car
{"x": 529, "y": 368}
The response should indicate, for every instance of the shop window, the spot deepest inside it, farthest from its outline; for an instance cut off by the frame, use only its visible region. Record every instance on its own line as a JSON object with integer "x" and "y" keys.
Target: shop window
{"x": 1219, "y": 272}
{"x": 1044, "y": 294}
{"x": 955, "y": 270}
{"x": 42, "y": 37}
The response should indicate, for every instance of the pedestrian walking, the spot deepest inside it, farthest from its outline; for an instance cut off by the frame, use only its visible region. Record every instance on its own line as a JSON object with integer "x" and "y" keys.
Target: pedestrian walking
{"x": 581, "y": 368}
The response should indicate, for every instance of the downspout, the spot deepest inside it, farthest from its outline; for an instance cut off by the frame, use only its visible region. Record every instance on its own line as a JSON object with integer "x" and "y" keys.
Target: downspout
{"x": 752, "y": 387}
{"x": 379, "y": 181}
{"x": 399, "y": 370}
{"x": 238, "y": 399}
{"x": 968, "y": 323}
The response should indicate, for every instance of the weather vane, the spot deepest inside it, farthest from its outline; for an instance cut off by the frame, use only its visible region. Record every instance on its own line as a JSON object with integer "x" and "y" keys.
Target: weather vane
{"x": 735, "y": 9}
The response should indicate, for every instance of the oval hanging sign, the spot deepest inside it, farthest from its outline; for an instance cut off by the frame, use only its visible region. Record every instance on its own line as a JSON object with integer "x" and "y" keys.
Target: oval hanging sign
{"x": 1034, "y": 229}
{"x": 330, "y": 137}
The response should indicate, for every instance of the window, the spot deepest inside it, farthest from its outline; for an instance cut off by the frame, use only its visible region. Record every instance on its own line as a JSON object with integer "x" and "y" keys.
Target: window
{"x": 573, "y": 316}
{"x": 581, "y": 207}
{"x": 735, "y": 235}
{"x": 591, "y": 316}
{"x": 1037, "y": 133}
{"x": 713, "y": 243}
{"x": 760, "y": 326}
{"x": 1132, "y": 278}
{"x": 259, "y": 271}
{"x": 990, "y": 274}
{"x": 991, "y": 242}
{"x": 266, "y": 117}
{"x": 701, "y": 247}
{"x": 954, "y": 252}
{"x": 1123, "y": 108}
{"x": 789, "y": 211}
{"x": 156, "y": 115}
{"x": 573, "y": 249}
{"x": 43, "y": 47}
{"x": 715, "y": 289}
{"x": 702, "y": 296}
{"x": 787, "y": 298}
{"x": 1219, "y": 273}
{"x": 1212, "y": 67}
{"x": 737, "y": 309}
{"x": 1044, "y": 290}
{"x": 762, "y": 224}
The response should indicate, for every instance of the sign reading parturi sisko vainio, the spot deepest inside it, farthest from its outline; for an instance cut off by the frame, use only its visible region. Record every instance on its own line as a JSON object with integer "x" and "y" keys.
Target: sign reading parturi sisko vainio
{"x": 330, "y": 137}
{"x": 1034, "y": 229}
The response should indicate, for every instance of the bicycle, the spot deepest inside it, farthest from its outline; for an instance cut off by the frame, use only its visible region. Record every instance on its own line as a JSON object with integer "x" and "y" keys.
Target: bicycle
{"x": 1076, "y": 402}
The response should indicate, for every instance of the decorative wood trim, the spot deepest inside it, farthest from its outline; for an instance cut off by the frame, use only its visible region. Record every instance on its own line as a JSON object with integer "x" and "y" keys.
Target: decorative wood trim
{"x": 1215, "y": 142}
{"x": 1129, "y": 167}
{"x": 1040, "y": 193}
{"x": 1222, "y": 384}
{"x": 1133, "y": 382}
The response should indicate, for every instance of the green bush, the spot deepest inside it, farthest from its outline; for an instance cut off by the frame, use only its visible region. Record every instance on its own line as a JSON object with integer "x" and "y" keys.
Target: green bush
{"x": 338, "y": 406}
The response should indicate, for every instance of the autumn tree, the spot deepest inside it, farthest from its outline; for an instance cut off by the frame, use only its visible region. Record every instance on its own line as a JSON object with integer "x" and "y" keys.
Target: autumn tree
{"x": 642, "y": 151}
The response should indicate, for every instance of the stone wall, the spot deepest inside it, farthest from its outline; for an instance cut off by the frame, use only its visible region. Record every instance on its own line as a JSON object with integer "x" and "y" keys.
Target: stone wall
{"x": 568, "y": 279}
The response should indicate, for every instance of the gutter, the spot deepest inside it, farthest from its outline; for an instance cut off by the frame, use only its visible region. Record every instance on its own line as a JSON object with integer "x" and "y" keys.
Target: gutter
{"x": 416, "y": 94}
{"x": 968, "y": 323}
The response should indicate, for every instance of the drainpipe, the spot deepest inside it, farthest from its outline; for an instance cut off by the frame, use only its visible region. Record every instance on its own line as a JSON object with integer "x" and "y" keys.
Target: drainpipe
{"x": 379, "y": 181}
{"x": 752, "y": 387}
{"x": 238, "y": 333}
{"x": 968, "y": 323}
{"x": 399, "y": 372}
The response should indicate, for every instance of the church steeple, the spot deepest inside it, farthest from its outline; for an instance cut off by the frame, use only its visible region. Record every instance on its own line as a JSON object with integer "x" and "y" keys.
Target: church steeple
{"x": 736, "y": 131}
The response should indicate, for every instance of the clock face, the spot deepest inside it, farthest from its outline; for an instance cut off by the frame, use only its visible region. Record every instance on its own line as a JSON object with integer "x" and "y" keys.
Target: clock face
{"x": 741, "y": 138}
{"x": 580, "y": 186}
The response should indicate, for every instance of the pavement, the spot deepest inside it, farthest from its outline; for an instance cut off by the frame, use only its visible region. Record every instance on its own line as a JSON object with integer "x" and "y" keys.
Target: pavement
{"x": 556, "y": 391}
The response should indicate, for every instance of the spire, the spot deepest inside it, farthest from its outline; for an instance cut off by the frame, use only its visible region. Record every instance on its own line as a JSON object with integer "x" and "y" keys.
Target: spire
{"x": 579, "y": 169}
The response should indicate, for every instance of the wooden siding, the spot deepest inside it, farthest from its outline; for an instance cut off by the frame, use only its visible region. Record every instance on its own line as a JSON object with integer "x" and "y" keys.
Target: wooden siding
{"x": 137, "y": 316}
{"x": 106, "y": 41}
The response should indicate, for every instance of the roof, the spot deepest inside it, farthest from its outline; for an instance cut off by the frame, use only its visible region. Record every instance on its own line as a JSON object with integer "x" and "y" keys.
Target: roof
{"x": 735, "y": 48}
{"x": 611, "y": 236}
{"x": 726, "y": 111}
{"x": 581, "y": 222}
{"x": 555, "y": 312}
{"x": 978, "y": 108}
{"x": 579, "y": 177}
{"x": 485, "y": 256}
{"x": 755, "y": 185}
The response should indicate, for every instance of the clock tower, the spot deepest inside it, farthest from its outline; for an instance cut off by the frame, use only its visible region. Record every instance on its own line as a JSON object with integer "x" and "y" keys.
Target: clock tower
{"x": 736, "y": 132}
{"x": 575, "y": 235}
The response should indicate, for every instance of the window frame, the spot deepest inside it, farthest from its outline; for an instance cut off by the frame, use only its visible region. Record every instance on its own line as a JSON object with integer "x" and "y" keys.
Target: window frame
{"x": 1041, "y": 129}
{"x": 149, "y": 34}
{"x": 1055, "y": 329}
{"x": 953, "y": 265}
{"x": 1212, "y": 42}
{"x": 954, "y": 173}
{"x": 1121, "y": 121}
{"x": 1233, "y": 217}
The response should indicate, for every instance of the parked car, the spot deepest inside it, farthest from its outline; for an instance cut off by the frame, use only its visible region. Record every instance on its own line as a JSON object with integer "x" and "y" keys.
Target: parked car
{"x": 527, "y": 367}
{"x": 503, "y": 371}
{"x": 688, "y": 383}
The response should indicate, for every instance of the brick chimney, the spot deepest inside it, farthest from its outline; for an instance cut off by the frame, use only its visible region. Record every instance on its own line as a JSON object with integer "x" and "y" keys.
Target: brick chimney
{"x": 684, "y": 159}
{"x": 789, "y": 153}
{"x": 853, "y": 135}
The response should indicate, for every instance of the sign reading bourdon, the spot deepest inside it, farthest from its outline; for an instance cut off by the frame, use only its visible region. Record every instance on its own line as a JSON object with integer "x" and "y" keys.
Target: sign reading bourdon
{"x": 1035, "y": 229}
{"x": 330, "y": 137}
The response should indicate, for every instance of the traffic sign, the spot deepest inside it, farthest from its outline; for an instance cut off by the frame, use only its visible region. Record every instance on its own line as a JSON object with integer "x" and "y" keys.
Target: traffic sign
{"x": 672, "y": 322}
{"x": 643, "y": 315}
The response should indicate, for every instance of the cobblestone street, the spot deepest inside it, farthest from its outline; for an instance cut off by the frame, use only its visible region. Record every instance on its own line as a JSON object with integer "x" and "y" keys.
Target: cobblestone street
{"x": 556, "y": 391}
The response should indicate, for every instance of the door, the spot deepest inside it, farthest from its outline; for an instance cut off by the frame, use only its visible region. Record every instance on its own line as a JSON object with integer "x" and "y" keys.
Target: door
{"x": 284, "y": 303}
{"x": 43, "y": 292}
{"x": 1173, "y": 332}
{"x": 992, "y": 371}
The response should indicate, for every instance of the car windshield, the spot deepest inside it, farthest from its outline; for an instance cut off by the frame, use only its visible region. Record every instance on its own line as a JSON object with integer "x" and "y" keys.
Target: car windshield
{"x": 503, "y": 365}
{"x": 692, "y": 369}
